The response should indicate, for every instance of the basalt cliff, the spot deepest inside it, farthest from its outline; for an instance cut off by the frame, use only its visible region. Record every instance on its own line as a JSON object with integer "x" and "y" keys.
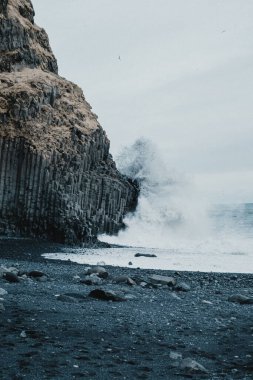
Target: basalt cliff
{"x": 57, "y": 177}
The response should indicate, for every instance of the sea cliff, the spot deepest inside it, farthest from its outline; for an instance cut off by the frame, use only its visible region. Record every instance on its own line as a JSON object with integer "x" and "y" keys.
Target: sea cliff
{"x": 57, "y": 177}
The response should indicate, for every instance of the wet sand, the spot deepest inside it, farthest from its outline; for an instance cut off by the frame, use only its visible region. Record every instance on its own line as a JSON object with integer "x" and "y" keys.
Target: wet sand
{"x": 52, "y": 329}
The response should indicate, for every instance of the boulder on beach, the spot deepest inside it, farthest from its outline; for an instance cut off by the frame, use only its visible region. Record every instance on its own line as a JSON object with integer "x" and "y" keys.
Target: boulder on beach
{"x": 98, "y": 270}
{"x": 242, "y": 299}
{"x": 163, "y": 280}
{"x": 106, "y": 295}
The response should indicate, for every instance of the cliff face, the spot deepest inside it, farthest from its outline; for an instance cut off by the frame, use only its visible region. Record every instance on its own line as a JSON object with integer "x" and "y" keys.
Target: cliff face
{"x": 57, "y": 178}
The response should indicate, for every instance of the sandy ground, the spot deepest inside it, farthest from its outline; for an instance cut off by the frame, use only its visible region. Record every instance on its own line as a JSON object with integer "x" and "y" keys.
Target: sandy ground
{"x": 52, "y": 329}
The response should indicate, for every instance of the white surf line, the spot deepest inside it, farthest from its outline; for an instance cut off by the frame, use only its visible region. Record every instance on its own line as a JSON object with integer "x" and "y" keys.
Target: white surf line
{"x": 165, "y": 260}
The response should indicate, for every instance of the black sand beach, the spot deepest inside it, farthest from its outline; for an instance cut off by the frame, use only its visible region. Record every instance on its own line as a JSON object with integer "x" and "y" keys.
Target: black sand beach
{"x": 52, "y": 329}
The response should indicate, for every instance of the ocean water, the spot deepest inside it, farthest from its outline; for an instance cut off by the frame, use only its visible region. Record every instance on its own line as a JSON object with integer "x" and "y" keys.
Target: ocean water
{"x": 174, "y": 221}
{"x": 228, "y": 249}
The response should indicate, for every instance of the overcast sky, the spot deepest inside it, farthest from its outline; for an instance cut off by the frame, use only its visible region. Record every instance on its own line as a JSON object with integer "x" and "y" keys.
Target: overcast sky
{"x": 179, "y": 72}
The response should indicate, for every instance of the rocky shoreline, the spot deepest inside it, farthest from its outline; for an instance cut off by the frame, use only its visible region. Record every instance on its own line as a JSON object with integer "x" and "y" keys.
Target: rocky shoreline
{"x": 61, "y": 320}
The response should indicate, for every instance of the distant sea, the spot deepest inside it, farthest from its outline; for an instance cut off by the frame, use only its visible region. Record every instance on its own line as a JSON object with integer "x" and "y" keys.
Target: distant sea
{"x": 235, "y": 218}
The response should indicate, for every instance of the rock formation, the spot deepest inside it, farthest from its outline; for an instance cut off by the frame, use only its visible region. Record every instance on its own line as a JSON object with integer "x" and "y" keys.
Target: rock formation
{"x": 57, "y": 178}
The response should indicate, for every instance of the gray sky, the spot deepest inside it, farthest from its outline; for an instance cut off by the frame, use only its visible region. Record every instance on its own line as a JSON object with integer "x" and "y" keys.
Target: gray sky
{"x": 184, "y": 79}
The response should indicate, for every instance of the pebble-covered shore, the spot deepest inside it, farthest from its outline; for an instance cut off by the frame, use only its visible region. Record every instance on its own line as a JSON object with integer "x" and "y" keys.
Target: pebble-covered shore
{"x": 61, "y": 320}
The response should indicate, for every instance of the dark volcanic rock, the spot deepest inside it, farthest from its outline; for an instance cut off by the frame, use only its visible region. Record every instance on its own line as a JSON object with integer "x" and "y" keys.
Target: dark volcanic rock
{"x": 239, "y": 298}
{"x": 23, "y": 44}
{"x": 36, "y": 274}
{"x": 106, "y": 295}
{"x": 11, "y": 277}
{"x": 57, "y": 178}
{"x": 144, "y": 255}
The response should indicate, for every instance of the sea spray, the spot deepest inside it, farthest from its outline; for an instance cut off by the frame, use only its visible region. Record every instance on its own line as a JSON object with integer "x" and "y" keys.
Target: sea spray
{"x": 169, "y": 205}
{"x": 174, "y": 223}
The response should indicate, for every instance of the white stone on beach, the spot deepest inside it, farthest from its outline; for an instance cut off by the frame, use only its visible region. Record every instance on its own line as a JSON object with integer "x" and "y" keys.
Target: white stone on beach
{"x": 3, "y": 292}
{"x": 2, "y": 308}
{"x": 23, "y": 334}
{"x": 191, "y": 366}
